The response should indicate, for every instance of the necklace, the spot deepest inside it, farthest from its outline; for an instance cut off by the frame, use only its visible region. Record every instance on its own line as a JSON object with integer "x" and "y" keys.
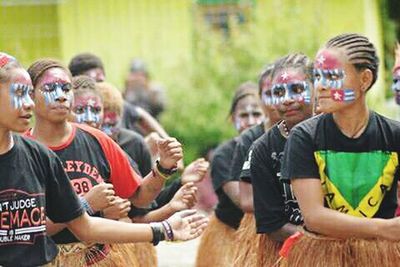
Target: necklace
{"x": 283, "y": 128}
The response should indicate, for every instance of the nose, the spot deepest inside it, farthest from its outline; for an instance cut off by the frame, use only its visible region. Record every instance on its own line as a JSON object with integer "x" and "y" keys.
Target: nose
{"x": 60, "y": 95}
{"x": 27, "y": 102}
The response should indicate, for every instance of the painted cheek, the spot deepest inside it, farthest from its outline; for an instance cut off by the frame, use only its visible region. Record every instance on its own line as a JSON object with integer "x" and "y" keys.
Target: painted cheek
{"x": 19, "y": 94}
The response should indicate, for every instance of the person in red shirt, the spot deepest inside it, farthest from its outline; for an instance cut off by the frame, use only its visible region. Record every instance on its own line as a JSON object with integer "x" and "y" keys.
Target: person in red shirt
{"x": 89, "y": 156}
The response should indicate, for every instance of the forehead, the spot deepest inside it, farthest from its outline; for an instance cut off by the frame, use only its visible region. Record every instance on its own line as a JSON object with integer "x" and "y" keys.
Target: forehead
{"x": 249, "y": 102}
{"x": 20, "y": 75}
{"x": 396, "y": 73}
{"x": 54, "y": 75}
{"x": 88, "y": 99}
{"x": 328, "y": 59}
{"x": 110, "y": 115}
{"x": 289, "y": 75}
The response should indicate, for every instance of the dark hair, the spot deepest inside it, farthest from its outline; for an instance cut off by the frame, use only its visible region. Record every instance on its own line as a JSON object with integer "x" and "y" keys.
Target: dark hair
{"x": 82, "y": 82}
{"x": 38, "y": 67}
{"x": 359, "y": 51}
{"x": 7, "y": 63}
{"x": 294, "y": 60}
{"x": 266, "y": 73}
{"x": 243, "y": 90}
{"x": 84, "y": 62}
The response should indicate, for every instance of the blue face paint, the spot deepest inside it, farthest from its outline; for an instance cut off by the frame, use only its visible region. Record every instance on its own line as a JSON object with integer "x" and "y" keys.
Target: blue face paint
{"x": 20, "y": 94}
{"x": 396, "y": 84}
{"x": 266, "y": 97}
{"x": 55, "y": 91}
{"x": 332, "y": 79}
{"x": 298, "y": 91}
{"x": 109, "y": 129}
{"x": 87, "y": 114}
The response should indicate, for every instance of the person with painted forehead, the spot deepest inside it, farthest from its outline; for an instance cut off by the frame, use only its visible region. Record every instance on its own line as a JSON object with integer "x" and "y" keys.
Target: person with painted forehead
{"x": 343, "y": 165}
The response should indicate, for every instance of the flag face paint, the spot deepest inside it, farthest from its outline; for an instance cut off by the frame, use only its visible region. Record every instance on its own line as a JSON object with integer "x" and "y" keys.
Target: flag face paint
{"x": 329, "y": 73}
{"x": 55, "y": 91}
{"x": 396, "y": 81}
{"x": 87, "y": 110}
{"x": 20, "y": 94}
{"x": 110, "y": 124}
{"x": 298, "y": 91}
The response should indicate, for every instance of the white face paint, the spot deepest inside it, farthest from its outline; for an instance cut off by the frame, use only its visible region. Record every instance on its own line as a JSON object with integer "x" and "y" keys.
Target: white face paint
{"x": 248, "y": 114}
{"x": 20, "y": 94}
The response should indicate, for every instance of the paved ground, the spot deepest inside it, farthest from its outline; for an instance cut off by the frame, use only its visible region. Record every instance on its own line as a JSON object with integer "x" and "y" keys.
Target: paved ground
{"x": 177, "y": 254}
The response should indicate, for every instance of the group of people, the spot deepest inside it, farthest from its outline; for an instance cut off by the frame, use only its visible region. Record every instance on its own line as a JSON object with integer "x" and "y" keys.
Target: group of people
{"x": 310, "y": 179}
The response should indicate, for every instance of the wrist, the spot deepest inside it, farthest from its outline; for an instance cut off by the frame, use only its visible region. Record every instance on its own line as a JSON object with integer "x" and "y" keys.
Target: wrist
{"x": 86, "y": 205}
{"x": 165, "y": 170}
{"x": 158, "y": 233}
{"x": 169, "y": 233}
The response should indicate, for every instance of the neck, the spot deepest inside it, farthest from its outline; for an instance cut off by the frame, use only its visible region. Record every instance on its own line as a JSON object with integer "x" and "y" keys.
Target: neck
{"x": 6, "y": 141}
{"x": 50, "y": 133}
{"x": 267, "y": 123}
{"x": 353, "y": 120}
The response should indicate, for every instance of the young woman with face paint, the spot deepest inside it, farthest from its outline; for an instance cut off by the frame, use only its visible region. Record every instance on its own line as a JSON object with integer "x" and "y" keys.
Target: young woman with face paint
{"x": 275, "y": 208}
{"x": 88, "y": 155}
{"x": 177, "y": 198}
{"x": 217, "y": 243}
{"x": 40, "y": 187}
{"x": 343, "y": 165}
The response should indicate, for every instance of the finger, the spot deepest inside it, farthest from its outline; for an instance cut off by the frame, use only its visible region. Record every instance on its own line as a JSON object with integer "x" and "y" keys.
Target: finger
{"x": 173, "y": 151}
{"x": 186, "y": 213}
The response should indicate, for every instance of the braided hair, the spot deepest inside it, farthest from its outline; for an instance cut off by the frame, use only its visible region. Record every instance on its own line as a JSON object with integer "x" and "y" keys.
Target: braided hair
{"x": 296, "y": 61}
{"x": 359, "y": 51}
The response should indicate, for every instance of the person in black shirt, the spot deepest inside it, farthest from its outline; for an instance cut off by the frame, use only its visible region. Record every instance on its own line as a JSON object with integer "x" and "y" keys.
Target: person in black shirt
{"x": 275, "y": 208}
{"x": 343, "y": 164}
{"x": 217, "y": 242}
{"x": 34, "y": 185}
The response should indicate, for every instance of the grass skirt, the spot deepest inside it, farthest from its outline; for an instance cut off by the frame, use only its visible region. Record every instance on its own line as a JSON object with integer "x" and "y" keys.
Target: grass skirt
{"x": 320, "y": 251}
{"x": 216, "y": 245}
{"x": 138, "y": 254}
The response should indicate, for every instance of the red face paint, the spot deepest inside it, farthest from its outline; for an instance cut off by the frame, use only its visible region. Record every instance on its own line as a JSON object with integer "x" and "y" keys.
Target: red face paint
{"x": 289, "y": 76}
{"x": 326, "y": 60}
{"x": 88, "y": 101}
{"x": 110, "y": 118}
{"x": 54, "y": 75}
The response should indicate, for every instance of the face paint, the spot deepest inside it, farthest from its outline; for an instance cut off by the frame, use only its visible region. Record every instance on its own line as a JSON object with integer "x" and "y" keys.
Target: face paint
{"x": 266, "y": 95}
{"x": 329, "y": 73}
{"x": 87, "y": 110}
{"x": 290, "y": 86}
{"x": 110, "y": 124}
{"x": 20, "y": 94}
{"x": 248, "y": 116}
{"x": 55, "y": 91}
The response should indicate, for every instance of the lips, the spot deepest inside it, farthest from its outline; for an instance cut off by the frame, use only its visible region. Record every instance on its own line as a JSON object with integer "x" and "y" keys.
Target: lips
{"x": 60, "y": 107}
{"x": 27, "y": 116}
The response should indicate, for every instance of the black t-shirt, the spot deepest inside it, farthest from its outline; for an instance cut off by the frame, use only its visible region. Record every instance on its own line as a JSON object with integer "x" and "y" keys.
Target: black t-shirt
{"x": 358, "y": 175}
{"x": 226, "y": 211}
{"x": 244, "y": 142}
{"x": 33, "y": 185}
{"x": 274, "y": 201}
{"x": 90, "y": 157}
{"x": 134, "y": 145}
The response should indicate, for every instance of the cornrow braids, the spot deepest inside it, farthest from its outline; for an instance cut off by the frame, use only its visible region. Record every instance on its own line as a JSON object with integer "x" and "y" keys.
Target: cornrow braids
{"x": 39, "y": 67}
{"x": 266, "y": 73}
{"x": 359, "y": 51}
{"x": 297, "y": 61}
{"x": 83, "y": 82}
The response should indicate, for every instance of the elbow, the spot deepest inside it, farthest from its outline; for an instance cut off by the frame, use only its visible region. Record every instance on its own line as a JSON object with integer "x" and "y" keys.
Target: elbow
{"x": 312, "y": 221}
{"x": 246, "y": 205}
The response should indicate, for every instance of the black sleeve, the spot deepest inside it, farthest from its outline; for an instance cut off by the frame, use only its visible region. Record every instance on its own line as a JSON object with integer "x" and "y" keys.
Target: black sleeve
{"x": 62, "y": 204}
{"x": 299, "y": 160}
{"x": 245, "y": 174}
{"x": 239, "y": 157}
{"x": 168, "y": 193}
{"x": 220, "y": 170}
{"x": 269, "y": 207}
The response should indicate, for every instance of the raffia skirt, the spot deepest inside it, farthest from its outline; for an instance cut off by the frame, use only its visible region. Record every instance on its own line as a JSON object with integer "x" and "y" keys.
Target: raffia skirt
{"x": 319, "y": 251}
{"x": 142, "y": 254}
{"x": 254, "y": 250}
{"x": 95, "y": 255}
{"x": 216, "y": 245}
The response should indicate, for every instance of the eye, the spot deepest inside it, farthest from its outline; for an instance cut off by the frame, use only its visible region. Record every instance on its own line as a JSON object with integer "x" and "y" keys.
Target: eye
{"x": 297, "y": 88}
{"x": 78, "y": 109}
{"x": 48, "y": 87}
{"x": 96, "y": 109}
{"x": 19, "y": 90}
{"x": 66, "y": 87}
{"x": 257, "y": 114}
{"x": 268, "y": 93}
{"x": 317, "y": 75}
{"x": 396, "y": 80}
{"x": 278, "y": 91}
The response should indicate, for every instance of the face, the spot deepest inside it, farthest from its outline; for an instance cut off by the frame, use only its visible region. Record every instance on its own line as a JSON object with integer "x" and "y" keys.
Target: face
{"x": 291, "y": 94}
{"x": 110, "y": 124}
{"x": 88, "y": 109}
{"x": 336, "y": 81}
{"x": 53, "y": 96}
{"x": 96, "y": 74}
{"x": 247, "y": 113}
{"x": 15, "y": 101}
{"x": 266, "y": 96}
{"x": 396, "y": 85}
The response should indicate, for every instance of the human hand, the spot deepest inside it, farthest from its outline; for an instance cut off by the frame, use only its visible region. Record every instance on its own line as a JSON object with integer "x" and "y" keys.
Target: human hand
{"x": 100, "y": 196}
{"x": 187, "y": 225}
{"x": 119, "y": 209}
{"x": 184, "y": 198}
{"x": 195, "y": 171}
{"x": 170, "y": 152}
